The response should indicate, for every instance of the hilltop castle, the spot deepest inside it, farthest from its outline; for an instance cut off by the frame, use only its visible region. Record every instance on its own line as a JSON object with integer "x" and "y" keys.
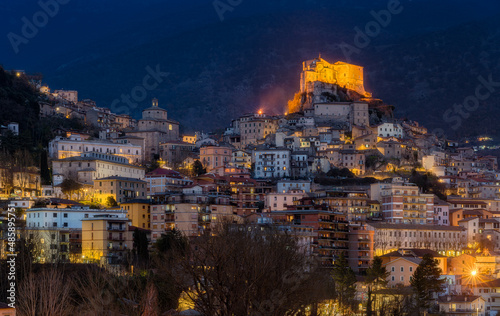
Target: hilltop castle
{"x": 342, "y": 74}
{"x": 320, "y": 82}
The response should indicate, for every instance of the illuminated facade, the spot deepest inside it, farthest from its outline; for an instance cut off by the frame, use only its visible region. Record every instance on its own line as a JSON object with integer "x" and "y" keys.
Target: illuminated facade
{"x": 106, "y": 238}
{"x": 213, "y": 157}
{"x": 447, "y": 240}
{"x": 60, "y": 148}
{"x": 119, "y": 188}
{"x": 343, "y": 74}
{"x": 89, "y": 166}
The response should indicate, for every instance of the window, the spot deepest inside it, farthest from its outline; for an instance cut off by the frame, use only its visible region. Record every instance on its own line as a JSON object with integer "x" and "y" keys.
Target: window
{"x": 393, "y": 269}
{"x": 411, "y": 269}
{"x": 402, "y": 269}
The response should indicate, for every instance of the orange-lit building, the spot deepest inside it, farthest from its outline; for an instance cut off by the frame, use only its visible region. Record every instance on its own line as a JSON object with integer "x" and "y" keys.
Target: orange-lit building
{"x": 215, "y": 156}
{"x": 106, "y": 238}
{"x": 120, "y": 188}
{"x": 138, "y": 212}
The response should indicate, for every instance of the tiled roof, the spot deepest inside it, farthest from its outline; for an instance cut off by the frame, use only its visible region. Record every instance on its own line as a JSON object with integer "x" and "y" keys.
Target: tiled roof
{"x": 120, "y": 179}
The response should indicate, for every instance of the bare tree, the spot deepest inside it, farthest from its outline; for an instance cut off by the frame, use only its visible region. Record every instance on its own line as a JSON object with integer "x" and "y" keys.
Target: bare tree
{"x": 244, "y": 270}
{"x": 150, "y": 301}
{"x": 44, "y": 294}
{"x": 24, "y": 170}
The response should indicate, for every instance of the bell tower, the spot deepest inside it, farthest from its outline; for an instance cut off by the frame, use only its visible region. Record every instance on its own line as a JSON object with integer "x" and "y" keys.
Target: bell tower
{"x": 155, "y": 102}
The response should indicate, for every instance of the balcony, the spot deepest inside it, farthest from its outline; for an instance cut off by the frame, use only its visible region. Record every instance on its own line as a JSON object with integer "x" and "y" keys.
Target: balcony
{"x": 116, "y": 228}
{"x": 463, "y": 310}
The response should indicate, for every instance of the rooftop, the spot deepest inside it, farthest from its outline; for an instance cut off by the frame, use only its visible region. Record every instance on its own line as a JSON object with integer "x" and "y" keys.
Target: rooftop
{"x": 120, "y": 179}
{"x": 416, "y": 227}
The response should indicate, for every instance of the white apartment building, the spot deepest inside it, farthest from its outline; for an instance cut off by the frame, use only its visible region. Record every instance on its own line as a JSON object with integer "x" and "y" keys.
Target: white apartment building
{"x": 63, "y": 218}
{"x": 272, "y": 163}
{"x": 58, "y": 230}
{"x": 390, "y": 130}
{"x": 60, "y": 148}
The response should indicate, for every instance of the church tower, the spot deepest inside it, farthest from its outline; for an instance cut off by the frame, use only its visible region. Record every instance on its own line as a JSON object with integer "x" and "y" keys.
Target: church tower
{"x": 155, "y": 102}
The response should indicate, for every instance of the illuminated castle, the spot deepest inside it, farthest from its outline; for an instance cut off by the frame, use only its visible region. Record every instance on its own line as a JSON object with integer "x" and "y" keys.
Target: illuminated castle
{"x": 342, "y": 74}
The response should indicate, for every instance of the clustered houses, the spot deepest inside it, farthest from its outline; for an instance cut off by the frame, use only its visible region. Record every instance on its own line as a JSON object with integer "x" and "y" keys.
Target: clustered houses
{"x": 302, "y": 172}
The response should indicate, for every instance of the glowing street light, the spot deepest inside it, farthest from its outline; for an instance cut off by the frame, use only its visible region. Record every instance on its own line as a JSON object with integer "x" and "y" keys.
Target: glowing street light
{"x": 473, "y": 273}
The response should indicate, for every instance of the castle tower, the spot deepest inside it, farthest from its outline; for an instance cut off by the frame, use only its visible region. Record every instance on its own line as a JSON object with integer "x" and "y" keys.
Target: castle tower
{"x": 155, "y": 102}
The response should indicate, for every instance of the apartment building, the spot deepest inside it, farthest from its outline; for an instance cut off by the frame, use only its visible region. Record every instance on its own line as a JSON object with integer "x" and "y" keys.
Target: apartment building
{"x": 447, "y": 240}
{"x": 121, "y": 189}
{"x": 213, "y": 157}
{"x": 106, "y": 238}
{"x": 331, "y": 231}
{"x": 59, "y": 230}
{"x": 272, "y": 163}
{"x": 60, "y": 148}
{"x": 403, "y": 203}
{"x": 138, "y": 212}
{"x": 90, "y": 166}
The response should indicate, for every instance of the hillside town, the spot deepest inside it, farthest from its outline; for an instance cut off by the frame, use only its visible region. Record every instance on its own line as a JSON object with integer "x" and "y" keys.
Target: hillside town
{"x": 334, "y": 168}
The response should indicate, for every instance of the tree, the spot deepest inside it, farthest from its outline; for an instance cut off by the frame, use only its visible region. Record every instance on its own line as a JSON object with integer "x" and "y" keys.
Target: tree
{"x": 7, "y": 180}
{"x": 44, "y": 168}
{"x": 426, "y": 281}
{"x": 376, "y": 278}
{"x": 198, "y": 168}
{"x": 153, "y": 166}
{"x": 173, "y": 240}
{"x": 340, "y": 173}
{"x": 111, "y": 202}
{"x": 141, "y": 246}
{"x": 243, "y": 270}
{"x": 69, "y": 186}
{"x": 345, "y": 284}
{"x": 45, "y": 294}
{"x": 23, "y": 169}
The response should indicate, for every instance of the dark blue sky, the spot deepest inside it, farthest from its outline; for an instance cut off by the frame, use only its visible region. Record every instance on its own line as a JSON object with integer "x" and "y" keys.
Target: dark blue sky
{"x": 106, "y": 26}
{"x": 221, "y": 69}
